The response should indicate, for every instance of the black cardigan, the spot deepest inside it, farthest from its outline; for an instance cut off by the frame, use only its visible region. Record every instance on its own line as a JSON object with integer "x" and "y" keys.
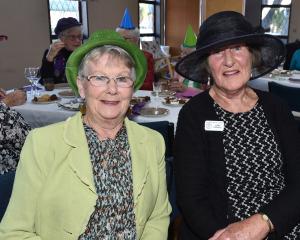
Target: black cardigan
{"x": 200, "y": 168}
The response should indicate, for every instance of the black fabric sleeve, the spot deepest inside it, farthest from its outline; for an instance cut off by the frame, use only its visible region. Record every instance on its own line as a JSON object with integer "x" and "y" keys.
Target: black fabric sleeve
{"x": 192, "y": 176}
{"x": 47, "y": 68}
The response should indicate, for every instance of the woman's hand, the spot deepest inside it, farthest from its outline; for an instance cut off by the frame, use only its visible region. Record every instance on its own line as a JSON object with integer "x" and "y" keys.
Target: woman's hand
{"x": 54, "y": 49}
{"x": 15, "y": 98}
{"x": 252, "y": 228}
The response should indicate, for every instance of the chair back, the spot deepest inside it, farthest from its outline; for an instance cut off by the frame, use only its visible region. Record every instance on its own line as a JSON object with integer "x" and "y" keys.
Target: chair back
{"x": 6, "y": 184}
{"x": 290, "y": 94}
{"x": 166, "y": 129}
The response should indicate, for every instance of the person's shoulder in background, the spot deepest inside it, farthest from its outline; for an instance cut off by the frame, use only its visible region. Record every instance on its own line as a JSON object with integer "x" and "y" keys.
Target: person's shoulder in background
{"x": 295, "y": 62}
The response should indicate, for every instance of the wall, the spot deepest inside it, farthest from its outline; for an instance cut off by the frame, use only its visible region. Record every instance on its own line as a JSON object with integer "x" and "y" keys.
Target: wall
{"x": 295, "y": 22}
{"x": 27, "y": 26}
{"x": 108, "y": 14}
{"x": 214, "y": 6}
{"x": 178, "y": 15}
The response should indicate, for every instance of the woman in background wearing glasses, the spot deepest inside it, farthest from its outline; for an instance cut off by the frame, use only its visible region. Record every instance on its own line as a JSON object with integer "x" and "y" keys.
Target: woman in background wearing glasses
{"x": 98, "y": 175}
{"x": 54, "y": 60}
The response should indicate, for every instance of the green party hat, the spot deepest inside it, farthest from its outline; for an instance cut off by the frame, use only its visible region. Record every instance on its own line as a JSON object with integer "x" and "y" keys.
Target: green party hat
{"x": 190, "y": 38}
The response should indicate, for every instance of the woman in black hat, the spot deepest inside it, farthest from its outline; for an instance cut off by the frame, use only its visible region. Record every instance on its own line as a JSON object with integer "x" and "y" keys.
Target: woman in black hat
{"x": 54, "y": 60}
{"x": 237, "y": 149}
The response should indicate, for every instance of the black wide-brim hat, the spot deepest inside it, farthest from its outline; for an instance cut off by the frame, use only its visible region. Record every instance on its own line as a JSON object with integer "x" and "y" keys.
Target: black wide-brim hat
{"x": 223, "y": 29}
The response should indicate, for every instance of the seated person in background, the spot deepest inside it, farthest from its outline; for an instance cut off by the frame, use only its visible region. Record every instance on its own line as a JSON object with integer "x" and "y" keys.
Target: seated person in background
{"x": 295, "y": 62}
{"x": 179, "y": 83}
{"x": 13, "y": 128}
{"x": 54, "y": 60}
{"x": 13, "y": 132}
{"x": 128, "y": 31}
{"x": 96, "y": 175}
{"x": 14, "y": 98}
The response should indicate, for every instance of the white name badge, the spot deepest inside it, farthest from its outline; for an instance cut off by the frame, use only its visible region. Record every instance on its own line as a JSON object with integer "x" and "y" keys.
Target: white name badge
{"x": 217, "y": 126}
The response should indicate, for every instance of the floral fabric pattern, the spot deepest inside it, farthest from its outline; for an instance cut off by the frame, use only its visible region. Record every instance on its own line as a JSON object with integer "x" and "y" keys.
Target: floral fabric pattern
{"x": 113, "y": 217}
{"x": 13, "y": 131}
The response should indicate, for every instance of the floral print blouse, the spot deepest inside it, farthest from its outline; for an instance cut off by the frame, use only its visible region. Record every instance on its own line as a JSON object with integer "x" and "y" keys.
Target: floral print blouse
{"x": 13, "y": 131}
{"x": 113, "y": 217}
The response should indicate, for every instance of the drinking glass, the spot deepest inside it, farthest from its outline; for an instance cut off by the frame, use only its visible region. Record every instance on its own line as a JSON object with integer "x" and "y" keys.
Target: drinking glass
{"x": 156, "y": 90}
{"x": 32, "y": 74}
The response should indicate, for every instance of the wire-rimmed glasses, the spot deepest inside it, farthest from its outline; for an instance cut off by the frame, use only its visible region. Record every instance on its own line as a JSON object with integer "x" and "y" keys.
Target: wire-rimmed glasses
{"x": 102, "y": 81}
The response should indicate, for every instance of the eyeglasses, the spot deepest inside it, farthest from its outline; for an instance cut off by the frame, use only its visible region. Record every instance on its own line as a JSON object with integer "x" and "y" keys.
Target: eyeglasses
{"x": 74, "y": 37}
{"x": 100, "y": 81}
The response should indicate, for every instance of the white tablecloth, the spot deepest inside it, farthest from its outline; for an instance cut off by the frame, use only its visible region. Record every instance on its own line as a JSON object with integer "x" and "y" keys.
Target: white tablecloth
{"x": 38, "y": 115}
{"x": 262, "y": 83}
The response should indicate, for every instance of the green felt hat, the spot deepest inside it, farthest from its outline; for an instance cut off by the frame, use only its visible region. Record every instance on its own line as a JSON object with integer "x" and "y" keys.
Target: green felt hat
{"x": 190, "y": 38}
{"x": 101, "y": 38}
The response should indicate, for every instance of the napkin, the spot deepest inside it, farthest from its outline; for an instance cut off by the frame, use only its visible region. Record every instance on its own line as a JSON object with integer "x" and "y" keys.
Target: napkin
{"x": 136, "y": 109}
{"x": 188, "y": 93}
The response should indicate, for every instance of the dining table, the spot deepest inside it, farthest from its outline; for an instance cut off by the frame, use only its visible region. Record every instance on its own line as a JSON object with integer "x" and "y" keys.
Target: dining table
{"x": 261, "y": 83}
{"x": 45, "y": 113}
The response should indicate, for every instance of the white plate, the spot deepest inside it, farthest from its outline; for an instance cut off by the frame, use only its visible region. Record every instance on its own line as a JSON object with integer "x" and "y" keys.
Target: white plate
{"x": 165, "y": 93}
{"x": 154, "y": 112}
{"x": 70, "y": 106}
{"x": 172, "y": 104}
{"x": 174, "y": 101}
{"x": 46, "y": 102}
{"x": 67, "y": 94}
{"x": 62, "y": 86}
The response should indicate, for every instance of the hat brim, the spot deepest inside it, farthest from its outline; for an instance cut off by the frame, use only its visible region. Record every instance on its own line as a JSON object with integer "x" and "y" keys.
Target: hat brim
{"x": 271, "y": 48}
{"x": 79, "y": 53}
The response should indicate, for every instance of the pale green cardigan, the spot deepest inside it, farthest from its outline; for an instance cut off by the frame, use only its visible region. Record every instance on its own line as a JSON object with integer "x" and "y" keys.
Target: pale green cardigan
{"x": 54, "y": 193}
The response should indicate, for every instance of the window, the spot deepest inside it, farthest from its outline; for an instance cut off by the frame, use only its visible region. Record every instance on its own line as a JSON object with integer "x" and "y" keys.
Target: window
{"x": 275, "y": 17}
{"x": 62, "y": 8}
{"x": 149, "y": 19}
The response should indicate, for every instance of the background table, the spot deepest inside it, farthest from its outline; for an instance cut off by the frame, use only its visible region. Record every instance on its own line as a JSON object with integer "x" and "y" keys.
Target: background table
{"x": 262, "y": 83}
{"x": 39, "y": 115}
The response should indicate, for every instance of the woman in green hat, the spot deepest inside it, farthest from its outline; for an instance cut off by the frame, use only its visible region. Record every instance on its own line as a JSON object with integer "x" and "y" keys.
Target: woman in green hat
{"x": 97, "y": 175}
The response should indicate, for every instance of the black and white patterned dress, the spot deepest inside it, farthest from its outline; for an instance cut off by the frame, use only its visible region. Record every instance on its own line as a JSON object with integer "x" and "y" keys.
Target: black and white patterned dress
{"x": 114, "y": 216}
{"x": 253, "y": 163}
{"x": 13, "y": 131}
